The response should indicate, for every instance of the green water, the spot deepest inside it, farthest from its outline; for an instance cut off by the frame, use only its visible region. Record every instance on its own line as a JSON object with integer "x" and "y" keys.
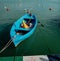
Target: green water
{"x": 45, "y": 40}
{"x": 12, "y": 58}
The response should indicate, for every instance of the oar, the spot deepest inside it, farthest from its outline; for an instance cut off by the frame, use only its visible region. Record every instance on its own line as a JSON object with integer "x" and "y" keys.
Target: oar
{"x": 40, "y": 24}
{"x": 29, "y": 21}
{"x": 43, "y": 26}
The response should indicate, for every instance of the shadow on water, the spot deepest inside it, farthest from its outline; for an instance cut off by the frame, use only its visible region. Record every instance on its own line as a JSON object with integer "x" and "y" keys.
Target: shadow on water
{"x": 4, "y": 38}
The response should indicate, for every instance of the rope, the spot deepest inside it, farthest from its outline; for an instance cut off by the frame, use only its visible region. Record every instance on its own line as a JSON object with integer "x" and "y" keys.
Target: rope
{"x": 7, "y": 45}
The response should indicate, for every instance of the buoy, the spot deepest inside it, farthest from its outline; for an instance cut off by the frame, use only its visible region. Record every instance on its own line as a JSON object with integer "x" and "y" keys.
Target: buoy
{"x": 7, "y": 9}
{"x": 50, "y": 9}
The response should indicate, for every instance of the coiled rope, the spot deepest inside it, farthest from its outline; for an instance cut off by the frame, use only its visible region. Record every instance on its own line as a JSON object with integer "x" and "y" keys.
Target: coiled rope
{"x": 7, "y": 45}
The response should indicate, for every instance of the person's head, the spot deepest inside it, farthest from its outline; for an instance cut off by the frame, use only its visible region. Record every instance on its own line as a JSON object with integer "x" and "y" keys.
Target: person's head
{"x": 29, "y": 12}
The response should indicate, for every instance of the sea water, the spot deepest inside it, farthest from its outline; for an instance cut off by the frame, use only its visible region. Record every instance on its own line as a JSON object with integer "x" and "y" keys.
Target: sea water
{"x": 45, "y": 39}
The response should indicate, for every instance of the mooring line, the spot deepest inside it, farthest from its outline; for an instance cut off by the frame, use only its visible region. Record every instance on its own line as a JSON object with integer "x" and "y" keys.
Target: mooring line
{"x": 7, "y": 45}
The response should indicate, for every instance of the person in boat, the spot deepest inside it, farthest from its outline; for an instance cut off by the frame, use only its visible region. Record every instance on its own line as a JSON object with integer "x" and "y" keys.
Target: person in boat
{"x": 26, "y": 25}
{"x": 28, "y": 12}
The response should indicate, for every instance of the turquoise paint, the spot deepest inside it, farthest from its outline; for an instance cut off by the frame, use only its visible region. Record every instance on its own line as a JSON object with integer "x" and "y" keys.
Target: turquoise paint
{"x": 17, "y": 38}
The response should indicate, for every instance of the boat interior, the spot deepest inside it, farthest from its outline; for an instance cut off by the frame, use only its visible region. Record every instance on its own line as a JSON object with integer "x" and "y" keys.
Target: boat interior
{"x": 23, "y": 31}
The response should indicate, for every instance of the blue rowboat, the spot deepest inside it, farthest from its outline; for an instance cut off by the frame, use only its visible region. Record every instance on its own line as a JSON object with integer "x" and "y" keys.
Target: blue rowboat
{"x": 18, "y": 33}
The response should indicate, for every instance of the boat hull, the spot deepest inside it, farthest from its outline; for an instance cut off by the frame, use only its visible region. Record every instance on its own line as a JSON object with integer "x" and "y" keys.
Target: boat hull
{"x": 17, "y": 38}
